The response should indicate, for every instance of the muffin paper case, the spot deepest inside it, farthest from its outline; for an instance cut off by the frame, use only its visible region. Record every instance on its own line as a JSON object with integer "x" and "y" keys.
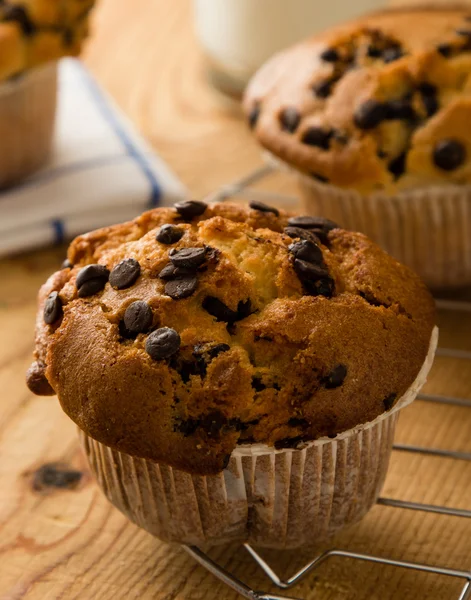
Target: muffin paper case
{"x": 27, "y": 115}
{"x": 271, "y": 498}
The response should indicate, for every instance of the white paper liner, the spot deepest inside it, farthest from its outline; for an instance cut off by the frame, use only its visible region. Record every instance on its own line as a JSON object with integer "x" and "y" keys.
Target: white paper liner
{"x": 427, "y": 229}
{"x": 271, "y": 498}
{"x": 27, "y": 115}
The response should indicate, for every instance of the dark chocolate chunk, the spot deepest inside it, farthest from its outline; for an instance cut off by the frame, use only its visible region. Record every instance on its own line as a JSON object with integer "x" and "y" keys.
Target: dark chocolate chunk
{"x": 307, "y": 251}
{"x": 221, "y": 312}
{"x": 323, "y": 88}
{"x": 138, "y": 317}
{"x": 303, "y": 234}
{"x": 309, "y": 271}
{"x": 398, "y": 166}
{"x": 449, "y": 154}
{"x": 289, "y": 119}
{"x": 214, "y": 351}
{"x": 323, "y": 287}
{"x": 400, "y": 109}
{"x": 67, "y": 264}
{"x": 36, "y": 380}
{"x": 169, "y": 234}
{"x": 190, "y": 209}
{"x": 330, "y": 55}
{"x": 257, "y": 384}
{"x": 336, "y": 377}
{"x": 186, "y": 427}
{"x": 316, "y": 136}
{"x": 52, "y": 308}
{"x": 370, "y": 114}
{"x": 213, "y": 423}
{"x": 172, "y": 272}
{"x": 253, "y": 115}
{"x": 124, "y": 333}
{"x": 125, "y": 274}
{"x": 260, "y": 206}
{"x": 162, "y": 343}
{"x": 289, "y": 442}
{"x": 91, "y": 279}
{"x": 429, "y": 98}
{"x": 307, "y": 222}
{"x": 18, "y": 14}
{"x": 53, "y": 475}
{"x": 392, "y": 54}
{"x": 188, "y": 258}
{"x": 445, "y": 50}
{"x": 298, "y": 422}
{"x": 181, "y": 288}
{"x": 373, "y": 52}
{"x": 187, "y": 368}
{"x": 388, "y": 402}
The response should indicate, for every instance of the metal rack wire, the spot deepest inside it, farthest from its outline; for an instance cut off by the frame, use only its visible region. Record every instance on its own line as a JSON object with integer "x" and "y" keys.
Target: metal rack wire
{"x": 242, "y": 188}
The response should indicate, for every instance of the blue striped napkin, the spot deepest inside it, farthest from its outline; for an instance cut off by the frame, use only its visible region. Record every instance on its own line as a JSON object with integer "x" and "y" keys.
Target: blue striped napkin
{"x": 101, "y": 172}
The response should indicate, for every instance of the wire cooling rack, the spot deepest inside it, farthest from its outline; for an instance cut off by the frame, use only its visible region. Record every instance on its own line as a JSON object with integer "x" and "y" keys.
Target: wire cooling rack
{"x": 243, "y": 188}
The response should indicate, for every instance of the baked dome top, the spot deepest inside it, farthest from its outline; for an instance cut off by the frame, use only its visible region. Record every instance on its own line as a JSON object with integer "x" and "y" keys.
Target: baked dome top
{"x": 190, "y": 330}
{"x": 382, "y": 103}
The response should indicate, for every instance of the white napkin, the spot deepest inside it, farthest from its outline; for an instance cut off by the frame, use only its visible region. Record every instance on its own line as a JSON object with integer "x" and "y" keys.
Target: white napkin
{"x": 101, "y": 172}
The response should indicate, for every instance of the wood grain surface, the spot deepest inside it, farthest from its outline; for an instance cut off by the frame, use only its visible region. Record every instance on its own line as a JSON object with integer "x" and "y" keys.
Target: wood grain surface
{"x": 59, "y": 538}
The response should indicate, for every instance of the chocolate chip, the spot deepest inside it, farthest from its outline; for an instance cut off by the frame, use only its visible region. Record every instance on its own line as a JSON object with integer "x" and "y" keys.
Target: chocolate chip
{"x": 370, "y": 114}
{"x": 373, "y": 52}
{"x": 316, "y": 136}
{"x": 260, "y": 206}
{"x": 308, "y": 222}
{"x": 188, "y": 258}
{"x": 323, "y": 89}
{"x": 187, "y": 368}
{"x": 172, "y": 272}
{"x": 297, "y": 422}
{"x": 429, "y": 98}
{"x": 124, "y": 333}
{"x": 190, "y": 209}
{"x": 449, "y": 154}
{"x": 213, "y": 422}
{"x": 91, "y": 279}
{"x": 289, "y": 442}
{"x": 303, "y": 234}
{"x": 18, "y": 14}
{"x": 257, "y": 384}
{"x": 187, "y": 427}
{"x": 324, "y": 287}
{"x": 125, "y": 274}
{"x": 67, "y": 264}
{"x": 336, "y": 377}
{"x": 52, "y": 475}
{"x": 181, "y": 288}
{"x": 138, "y": 317}
{"x": 169, "y": 234}
{"x": 398, "y": 166}
{"x": 309, "y": 271}
{"x": 400, "y": 109}
{"x": 392, "y": 54}
{"x": 162, "y": 343}
{"x": 445, "y": 50}
{"x": 253, "y": 115}
{"x": 329, "y": 55}
{"x": 290, "y": 119}
{"x": 388, "y": 402}
{"x": 216, "y": 350}
{"x": 221, "y": 312}
{"x": 36, "y": 380}
{"x": 52, "y": 308}
{"x": 307, "y": 251}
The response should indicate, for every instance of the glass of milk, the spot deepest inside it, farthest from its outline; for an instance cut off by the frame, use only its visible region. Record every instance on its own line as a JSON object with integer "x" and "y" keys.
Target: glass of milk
{"x": 238, "y": 36}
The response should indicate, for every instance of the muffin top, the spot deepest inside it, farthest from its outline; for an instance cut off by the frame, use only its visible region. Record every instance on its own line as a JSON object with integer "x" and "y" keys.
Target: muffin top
{"x": 379, "y": 104}
{"x": 33, "y": 32}
{"x": 190, "y": 330}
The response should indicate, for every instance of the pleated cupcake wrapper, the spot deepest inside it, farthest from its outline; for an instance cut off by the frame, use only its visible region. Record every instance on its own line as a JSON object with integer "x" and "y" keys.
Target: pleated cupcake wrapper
{"x": 427, "y": 229}
{"x": 271, "y": 498}
{"x": 27, "y": 115}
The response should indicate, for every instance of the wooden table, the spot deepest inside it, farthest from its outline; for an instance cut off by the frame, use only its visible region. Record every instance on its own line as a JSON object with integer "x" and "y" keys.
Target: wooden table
{"x": 60, "y": 539}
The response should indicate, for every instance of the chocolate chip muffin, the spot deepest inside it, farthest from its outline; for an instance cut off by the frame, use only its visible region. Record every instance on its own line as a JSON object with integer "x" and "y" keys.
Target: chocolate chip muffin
{"x": 34, "y": 34}
{"x": 377, "y": 109}
{"x": 194, "y": 333}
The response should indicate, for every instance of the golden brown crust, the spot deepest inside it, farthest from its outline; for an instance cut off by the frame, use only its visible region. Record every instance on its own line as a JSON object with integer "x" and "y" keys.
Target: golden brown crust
{"x": 33, "y": 32}
{"x": 420, "y": 73}
{"x": 274, "y": 381}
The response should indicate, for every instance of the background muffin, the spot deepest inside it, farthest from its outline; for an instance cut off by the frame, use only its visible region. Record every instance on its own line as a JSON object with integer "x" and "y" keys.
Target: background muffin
{"x": 34, "y": 34}
{"x": 374, "y": 115}
{"x": 189, "y": 332}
